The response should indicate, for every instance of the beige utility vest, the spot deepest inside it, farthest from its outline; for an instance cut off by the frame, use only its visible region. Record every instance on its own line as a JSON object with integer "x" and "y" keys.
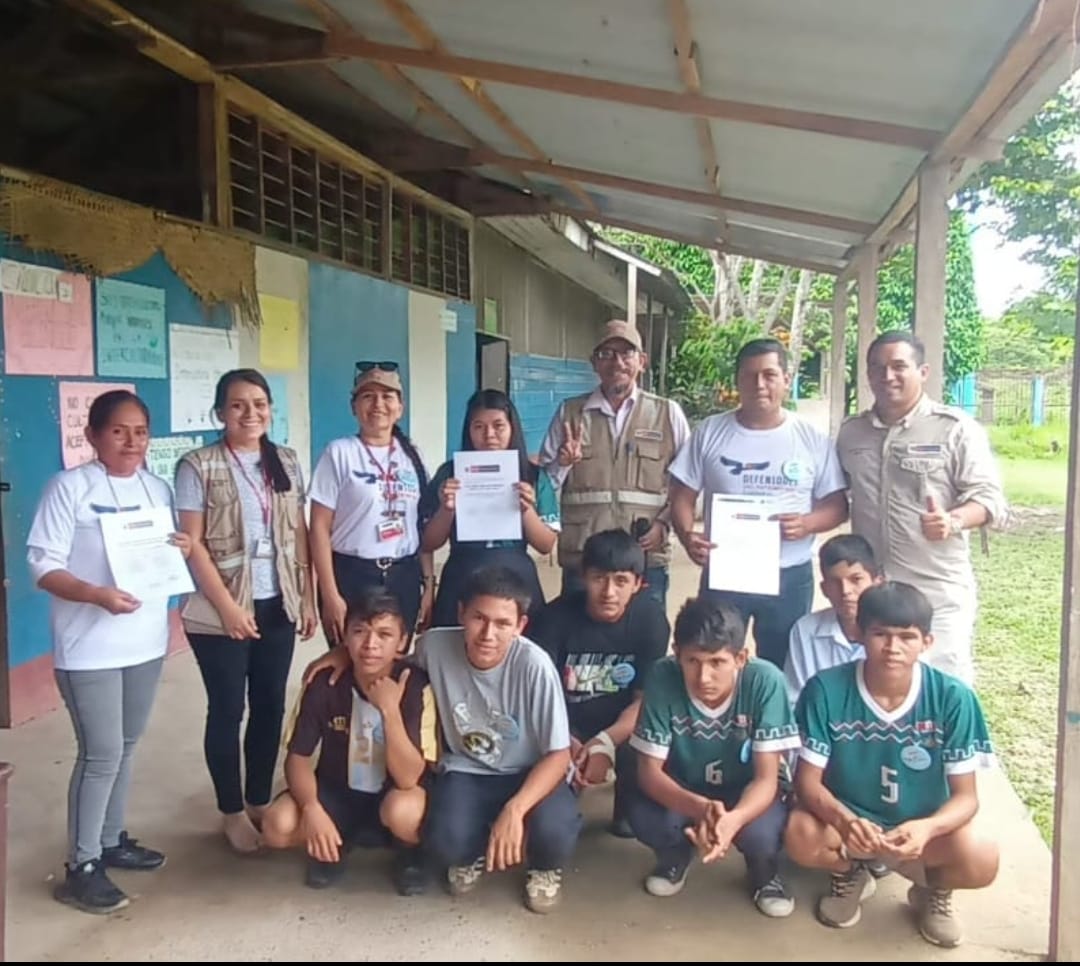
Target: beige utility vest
{"x": 616, "y": 481}
{"x": 223, "y": 534}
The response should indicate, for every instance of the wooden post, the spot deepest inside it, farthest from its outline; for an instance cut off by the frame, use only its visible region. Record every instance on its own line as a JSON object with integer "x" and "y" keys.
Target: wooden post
{"x": 931, "y": 238}
{"x": 631, "y": 293}
{"x": 664, "y": 352}
{"x": 868, "y": 265}
{"x": 213, "y": 134}
{"x": 1065, "y": 880}
{"x": 838, "y": 358}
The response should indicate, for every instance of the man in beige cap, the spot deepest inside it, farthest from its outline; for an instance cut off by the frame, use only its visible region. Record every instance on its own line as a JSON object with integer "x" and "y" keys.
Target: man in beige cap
{"x": 609, "y": 451}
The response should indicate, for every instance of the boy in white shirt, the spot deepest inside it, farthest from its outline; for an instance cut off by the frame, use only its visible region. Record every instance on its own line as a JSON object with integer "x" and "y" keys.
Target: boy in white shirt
{"x": 830, "y": 637}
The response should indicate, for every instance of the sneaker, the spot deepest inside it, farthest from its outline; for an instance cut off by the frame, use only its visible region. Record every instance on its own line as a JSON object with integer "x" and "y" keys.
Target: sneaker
{"x": 938, "y": 923}
{"x": 668, "y": 878}
{"x": 773, "y": 899}
{"x": 842, "y": 907}
{"x": 88, "y": 888}
{"x": 879, "y": 870}
{"x": 321, "y": 875}
{"x": 128, "y": 854}
{"x": 620, "y": 828}
{"x": 543, "y": 890}
{"x": 410, "y": 874}
{"x": 462, "y": 879}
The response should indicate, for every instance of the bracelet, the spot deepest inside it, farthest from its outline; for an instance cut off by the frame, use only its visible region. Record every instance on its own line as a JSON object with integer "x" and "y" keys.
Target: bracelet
{"x": 605, "y": 748}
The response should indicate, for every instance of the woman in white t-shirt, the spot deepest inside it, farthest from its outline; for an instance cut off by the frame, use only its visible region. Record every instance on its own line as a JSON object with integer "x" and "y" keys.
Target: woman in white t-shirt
{"x": 108, "y": 646}
{"x": 365, "y": 497}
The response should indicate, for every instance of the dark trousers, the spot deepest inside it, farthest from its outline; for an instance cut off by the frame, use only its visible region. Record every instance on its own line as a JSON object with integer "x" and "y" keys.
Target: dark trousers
{"x": 463, "y": 808}
{"x": 655, "y": 579}
{"x": 773, "y": 616}
{"x": 663, "y": 831}
{"x": 261, "y": 668}
{"x": 625, "y": 777}
{"x": 464, "y": 561}
{"x": 354, "y": 575}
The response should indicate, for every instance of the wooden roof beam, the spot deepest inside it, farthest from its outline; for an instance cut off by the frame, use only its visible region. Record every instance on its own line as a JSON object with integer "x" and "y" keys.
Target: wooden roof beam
{"x": 345, "y": 46}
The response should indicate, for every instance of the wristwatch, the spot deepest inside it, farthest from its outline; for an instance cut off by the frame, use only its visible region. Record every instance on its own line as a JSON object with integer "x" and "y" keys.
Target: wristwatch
{"x": 956, "y": 525}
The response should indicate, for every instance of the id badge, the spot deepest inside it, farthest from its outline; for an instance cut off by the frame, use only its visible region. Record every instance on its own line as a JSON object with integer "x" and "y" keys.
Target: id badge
{"x": 264, "y": 547}
{"x": 389, "y": 530}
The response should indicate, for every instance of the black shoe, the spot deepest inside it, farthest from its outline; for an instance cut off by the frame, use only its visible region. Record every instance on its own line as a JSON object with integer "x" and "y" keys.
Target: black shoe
{"x": 669, "y": 876}
{"x": 410, "y": 873}
{"x": 88, "y": 888}
{"x": 620, "y": 828}
{"x": 128, "y": 854}
{"x": 320, "y": 875}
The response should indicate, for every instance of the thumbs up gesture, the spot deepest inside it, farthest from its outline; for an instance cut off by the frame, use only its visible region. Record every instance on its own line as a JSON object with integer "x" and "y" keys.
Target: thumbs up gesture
{"x": 936, "y": 521}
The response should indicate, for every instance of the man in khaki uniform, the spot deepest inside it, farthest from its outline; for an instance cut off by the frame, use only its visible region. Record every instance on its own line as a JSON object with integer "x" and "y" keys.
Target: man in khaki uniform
{"x": 921, "y": 475}
{"x": 609, "y": 452}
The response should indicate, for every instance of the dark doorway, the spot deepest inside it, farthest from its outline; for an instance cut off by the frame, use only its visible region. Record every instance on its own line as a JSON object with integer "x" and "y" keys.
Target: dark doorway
{"x": 492, "y": 362}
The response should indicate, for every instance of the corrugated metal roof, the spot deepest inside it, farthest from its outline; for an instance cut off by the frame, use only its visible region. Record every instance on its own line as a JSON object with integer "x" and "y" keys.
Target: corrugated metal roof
{"x": 918, "y": 65}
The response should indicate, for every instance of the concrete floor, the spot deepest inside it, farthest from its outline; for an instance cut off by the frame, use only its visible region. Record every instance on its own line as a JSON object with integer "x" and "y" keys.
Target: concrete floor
{"x": 210, "y": 905}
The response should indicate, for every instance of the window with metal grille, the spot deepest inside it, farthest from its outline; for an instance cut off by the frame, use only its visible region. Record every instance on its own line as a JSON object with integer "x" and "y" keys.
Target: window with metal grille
{"x": 428, "y": 248}
{"x": 285, "y": 190}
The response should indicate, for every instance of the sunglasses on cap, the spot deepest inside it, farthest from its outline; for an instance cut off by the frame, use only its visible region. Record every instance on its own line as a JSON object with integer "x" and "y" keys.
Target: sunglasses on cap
{"x": 365, "y": 366}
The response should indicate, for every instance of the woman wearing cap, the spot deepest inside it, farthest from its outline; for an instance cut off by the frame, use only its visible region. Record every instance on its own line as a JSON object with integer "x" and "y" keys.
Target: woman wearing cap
{"x": 365, "y": 499}
{"x": 241, "y": 502}
{"x": 491, "y": 423}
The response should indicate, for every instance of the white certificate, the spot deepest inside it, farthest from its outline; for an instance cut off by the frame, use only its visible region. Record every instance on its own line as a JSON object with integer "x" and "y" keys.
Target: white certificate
{"x": 142, "y": 560}
{"x": 488, "y": 507}
{"x": 746, "y": 556}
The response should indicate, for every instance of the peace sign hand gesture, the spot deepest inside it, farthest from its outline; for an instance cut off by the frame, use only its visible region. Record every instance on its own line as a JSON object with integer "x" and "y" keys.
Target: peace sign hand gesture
{"x": 570, "y": 451}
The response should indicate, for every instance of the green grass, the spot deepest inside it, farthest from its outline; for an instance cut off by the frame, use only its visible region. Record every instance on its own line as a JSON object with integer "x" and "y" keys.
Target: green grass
{"x": 1035, "y": 482}
{"x": 1016, "y": 650}
{"x": 1023, "y": 441}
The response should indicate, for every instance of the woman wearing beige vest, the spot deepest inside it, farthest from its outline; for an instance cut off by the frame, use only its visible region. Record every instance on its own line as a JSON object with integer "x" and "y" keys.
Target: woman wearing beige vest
{"x": 241, "y": 501}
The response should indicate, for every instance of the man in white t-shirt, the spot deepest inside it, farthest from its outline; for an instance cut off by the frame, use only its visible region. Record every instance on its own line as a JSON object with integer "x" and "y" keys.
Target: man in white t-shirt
{"x": 762, "y": 450}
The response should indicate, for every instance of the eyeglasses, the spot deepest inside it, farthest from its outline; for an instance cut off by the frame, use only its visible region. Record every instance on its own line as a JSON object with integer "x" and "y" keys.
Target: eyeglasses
{"x": 365, "y": 366}
{"x": 606, "y": 355}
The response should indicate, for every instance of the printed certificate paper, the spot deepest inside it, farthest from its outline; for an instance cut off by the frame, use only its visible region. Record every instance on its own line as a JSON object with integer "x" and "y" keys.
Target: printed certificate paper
{"x": 488, "y": 507}
{"x": 142, "y": 560}
{"x": 746, "y": 557}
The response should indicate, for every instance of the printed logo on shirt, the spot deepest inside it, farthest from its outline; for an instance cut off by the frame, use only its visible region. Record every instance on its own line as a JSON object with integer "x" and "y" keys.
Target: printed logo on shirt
{"x": 485, "y": 732}
{"x": 99, "y": 508}
{"x": 792, "y": 473}
{"x": 737, "y": 467}
{"x": 339, "y": 723}
{"x": 793, "y": 470}
{"x": 588, "y": 676}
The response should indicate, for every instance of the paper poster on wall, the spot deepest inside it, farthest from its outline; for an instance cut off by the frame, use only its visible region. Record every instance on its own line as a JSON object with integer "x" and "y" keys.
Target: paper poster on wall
{"x": 48, "y": 321}
{"x": 198, "y": 356}
{"x": 448, "y": 320}
{"x": 165, "y": 451}
{"x": 279, "y": 405}
{"x": 130, "y": 330}
{"x": 279, "y": 337}
{"x": 75, "y": 400}
{"x": 491, "y": 315}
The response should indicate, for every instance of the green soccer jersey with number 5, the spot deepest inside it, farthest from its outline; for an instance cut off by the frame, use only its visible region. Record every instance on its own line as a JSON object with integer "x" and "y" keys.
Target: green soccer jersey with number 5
{"x": 891, "y": 766}
{"x": 710, "y": 750}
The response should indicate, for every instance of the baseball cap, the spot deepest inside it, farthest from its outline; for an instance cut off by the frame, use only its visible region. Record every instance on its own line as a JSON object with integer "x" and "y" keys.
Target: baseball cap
{"x": 383, "y": 374}
{"x": 620, "y": 329}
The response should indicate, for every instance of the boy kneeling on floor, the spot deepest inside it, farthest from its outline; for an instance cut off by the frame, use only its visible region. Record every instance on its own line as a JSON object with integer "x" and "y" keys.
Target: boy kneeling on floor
{"x": 713, "y": 729}
{"x": 367, "y": 788}
{"x": 887, "y": 771}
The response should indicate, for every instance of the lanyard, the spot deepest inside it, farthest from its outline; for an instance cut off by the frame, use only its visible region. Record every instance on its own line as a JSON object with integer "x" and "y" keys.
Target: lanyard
{"x": 384, "y": 473}
{"x": 112, "y": 489}
{"x": 262, "y": 495}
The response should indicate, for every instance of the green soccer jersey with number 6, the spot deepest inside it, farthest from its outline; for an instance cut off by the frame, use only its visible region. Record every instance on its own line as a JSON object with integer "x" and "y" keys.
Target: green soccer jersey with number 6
{"x": 891, "y": 766}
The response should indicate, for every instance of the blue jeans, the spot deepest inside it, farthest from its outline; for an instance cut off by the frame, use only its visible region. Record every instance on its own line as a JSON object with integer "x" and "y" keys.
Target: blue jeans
{"x": 773, "y": 616}
{"x": 463, "y": 807}
{"x": 655, "y": 579}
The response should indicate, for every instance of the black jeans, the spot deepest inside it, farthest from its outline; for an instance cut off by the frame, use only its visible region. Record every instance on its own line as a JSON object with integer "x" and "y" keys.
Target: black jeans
{"x": 354, "y": 575}
{"x": 773, "y": 616}
{"x": 261, "y": 668}
{"x": 464, "y": 561}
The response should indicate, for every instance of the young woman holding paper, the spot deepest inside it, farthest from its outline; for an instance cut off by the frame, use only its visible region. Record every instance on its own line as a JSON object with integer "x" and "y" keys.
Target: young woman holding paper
{"x": 491, "y": 423}
{"x": 241, "y": 500}
{"x": 108, "y": 646}
{"x": 365, "y": 499}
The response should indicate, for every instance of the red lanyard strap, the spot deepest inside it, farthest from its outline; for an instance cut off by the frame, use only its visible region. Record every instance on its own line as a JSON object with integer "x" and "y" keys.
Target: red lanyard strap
{"x": 262, "y": 495}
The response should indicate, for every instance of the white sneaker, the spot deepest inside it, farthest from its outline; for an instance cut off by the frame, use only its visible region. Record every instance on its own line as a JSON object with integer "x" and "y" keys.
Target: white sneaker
{"x": 462, "y": 879}
{"x": 543, "y": 889}
{"x": 773, "y": 900}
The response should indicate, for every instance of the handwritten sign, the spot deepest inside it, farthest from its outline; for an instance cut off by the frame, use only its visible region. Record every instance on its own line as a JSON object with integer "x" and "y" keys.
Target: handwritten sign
{"x": 198, "y": 357}
{"x": 165, "y": 452}
{"x": 448, "y": 320}
{"x": 130, "y": 330}
{"x": 48, "y": 325}
{"x": 279, "y": 337}
{"x": 75, "y": 401}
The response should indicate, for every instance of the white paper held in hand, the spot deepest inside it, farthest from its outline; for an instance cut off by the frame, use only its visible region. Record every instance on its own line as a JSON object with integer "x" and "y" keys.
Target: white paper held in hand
{"x": 143, "y": 561}
{"x": 487, "y": 506}
{"x": 746, "y": 555}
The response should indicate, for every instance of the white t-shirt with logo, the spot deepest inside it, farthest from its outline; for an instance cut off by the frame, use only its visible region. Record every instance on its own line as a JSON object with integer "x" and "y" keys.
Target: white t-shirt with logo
{"x": 791, "y": 465}
{"x": 66, "y": 535}
{"x": 350, "y": 480}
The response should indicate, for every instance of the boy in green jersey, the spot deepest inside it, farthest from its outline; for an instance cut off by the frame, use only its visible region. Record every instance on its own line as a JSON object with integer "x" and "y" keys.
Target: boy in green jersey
{"x": 887, "y": 771}
{"x": 713, "y": 728}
